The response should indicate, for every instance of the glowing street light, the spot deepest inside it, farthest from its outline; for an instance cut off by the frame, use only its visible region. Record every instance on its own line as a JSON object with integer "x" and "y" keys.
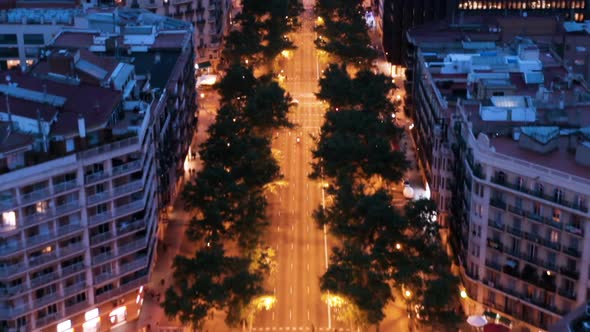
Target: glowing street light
{"x": 265, "y": 302}
{"x": 408, "y": 294}
{"x": 463, "y": 294}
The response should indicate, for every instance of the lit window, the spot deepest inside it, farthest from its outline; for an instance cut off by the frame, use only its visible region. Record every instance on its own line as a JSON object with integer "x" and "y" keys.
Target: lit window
{"x": 8, "y": 219}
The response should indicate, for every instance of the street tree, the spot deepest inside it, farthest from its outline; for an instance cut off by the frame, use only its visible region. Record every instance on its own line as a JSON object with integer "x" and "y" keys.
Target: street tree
{"x": 211, "y": 280}
{"x": 267, "y": 108}
{"x": 237, "y": 83}
{"x": 198, "y": 286}
{"x": 356, "y": 145}
{"x": 360, "y": 218}
{"x": 244, "y": 285}
{"x": 343, "y": 32}
{"x": 244, "y": 42}
{"x": 367, "y": 91}
{"x": 353, "y": 274}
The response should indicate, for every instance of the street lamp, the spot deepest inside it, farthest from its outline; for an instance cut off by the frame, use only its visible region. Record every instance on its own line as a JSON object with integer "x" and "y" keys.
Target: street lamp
{"x": 463, "y": 294}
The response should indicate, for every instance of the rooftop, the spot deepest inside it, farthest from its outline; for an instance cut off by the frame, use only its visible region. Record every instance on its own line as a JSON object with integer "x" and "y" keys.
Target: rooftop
{"x": 514, "y": 86}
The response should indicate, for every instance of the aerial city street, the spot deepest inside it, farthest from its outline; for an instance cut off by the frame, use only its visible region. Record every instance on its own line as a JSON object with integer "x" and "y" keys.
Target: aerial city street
{"x": 294, "y": 165}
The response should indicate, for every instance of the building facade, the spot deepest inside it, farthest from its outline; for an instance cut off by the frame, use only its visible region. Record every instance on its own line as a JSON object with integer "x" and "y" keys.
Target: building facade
{"x": 94, "y": 138}
{"x": 211, "y": 18}
{"x": 401, "y": 15}
{"x": 503, "y": 130}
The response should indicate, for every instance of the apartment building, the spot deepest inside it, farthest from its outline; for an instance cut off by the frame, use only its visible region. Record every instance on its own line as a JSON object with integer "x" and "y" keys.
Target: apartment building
{"x": 402, "y": 15}
{"x": 503, "y": 130}
{"x": 212, "y": 18}
{"x": 93, "y": 142}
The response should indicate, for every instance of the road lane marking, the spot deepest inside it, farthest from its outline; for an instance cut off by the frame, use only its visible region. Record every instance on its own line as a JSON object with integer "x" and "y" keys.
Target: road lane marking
{"x": 273, "y": 315}
{"x": 308, "y": 290}
{"x": 278, "y": 228}
{"x": 291, "y": 290}
{"x": 290, "y": 314}
{"x": 308, "y": 246}
{"x": 291, "y": 266}
{"x": 308, "y": 315}
{"x": 292, "y": 245}
{"x": 307, "y": 267}
{"x": 292, "y": 227}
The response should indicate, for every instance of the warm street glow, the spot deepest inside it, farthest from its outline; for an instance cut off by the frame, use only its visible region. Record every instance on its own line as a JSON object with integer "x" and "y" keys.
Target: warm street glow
{"x": 334, "y": 301}
{"x": 463, "y": 294}
{"x": 407, "y": 293}
{"x": 265, "y": 302}
{"x": 398, "y": 246}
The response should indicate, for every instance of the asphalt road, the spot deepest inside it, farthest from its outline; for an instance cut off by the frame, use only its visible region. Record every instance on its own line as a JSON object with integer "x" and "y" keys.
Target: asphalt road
{"x": 301, "y": 248}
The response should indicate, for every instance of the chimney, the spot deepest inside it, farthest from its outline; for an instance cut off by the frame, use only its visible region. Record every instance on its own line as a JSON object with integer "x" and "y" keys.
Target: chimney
{"x": 81, "y": 126}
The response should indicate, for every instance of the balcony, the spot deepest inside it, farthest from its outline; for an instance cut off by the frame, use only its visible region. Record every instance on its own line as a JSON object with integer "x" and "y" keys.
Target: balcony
{"x": 105, "y": 256}
{"x": 493, "y": 265}
{"x": 10, "y": 291}
{"x": 46, "y": 278}
{"x": 127, "y": 167}
{"x": 574, "y": 230}
{"x": 514, "y": 231}
{"x": 130, "y": 208}
{"x": 39, "y": 239}
{"x": 10, "y": 249}
{"x": 10, "y": 313}
{"x": 36, "y": 218}
{"x": 495, "y": 244}
{"x": 516, "y": 210}
{"x": 568, "y": 293}
{"x": 496, "y": 225}
{"x": 108, "y": 147}
{"x": 99, "y": 218}
{"x": 42, "y": 322}
{"x": 71, "y": 269}
{"x": 122, "y": 289}
{"x": 95, "y": 177}
{"x": 7, "y": 204}
{"x": 132, "y": 246}
{"x": 64, "y": 186}
{"x": 42, "y": 259}
{"x": 129, "y": 187}
{"x": 99, "y": 279}
{"x": 40, "y": 302}
{"x": 8, "y": 270}
{"x": 133, "y": 265}
{"x": 130, "y": 227}
{"x": 100, "y": 238}
{"x": 536, "y": 193}
{"x": 35, "y": 196}
{"x": 572, "y": 252}
{"x": 572, "y": 273}
{"x": 68, "y": 229}
{"x": 98, "y": 197}
{"x": 72, "y": 248}
{"x": 68, "y": 207}
{"x": 537, "y": 239}
{"x": 75, "y": 288}
{"x": 498, "y": 203}
{"x": 80, "y": 306}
